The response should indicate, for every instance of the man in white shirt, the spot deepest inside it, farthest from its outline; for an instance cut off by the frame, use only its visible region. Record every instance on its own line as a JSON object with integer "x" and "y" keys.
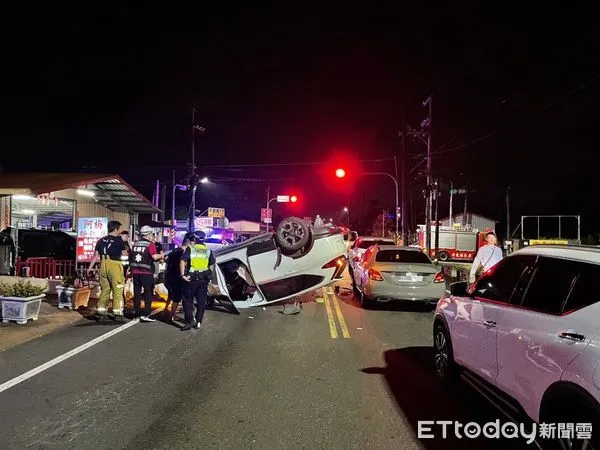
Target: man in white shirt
{"x": 487, "y": 256}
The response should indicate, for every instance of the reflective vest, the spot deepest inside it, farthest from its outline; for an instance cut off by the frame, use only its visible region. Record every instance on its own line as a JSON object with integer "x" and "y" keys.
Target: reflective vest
{"x": 140, "y": 256}
{"x": 199, "y": 257}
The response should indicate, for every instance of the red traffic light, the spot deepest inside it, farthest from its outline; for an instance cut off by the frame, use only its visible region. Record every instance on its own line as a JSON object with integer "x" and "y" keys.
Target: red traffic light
{"x": 340, "y": 173}
{"x": 293, "y": 199}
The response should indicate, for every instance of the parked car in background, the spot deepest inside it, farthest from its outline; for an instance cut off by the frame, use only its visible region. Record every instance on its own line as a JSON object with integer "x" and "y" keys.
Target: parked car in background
{"x": 33, "y": 243}
{"x": 361, "y": 244}
{"x": 295, "y": 259}
{"x": 389, "y": 272}
{"x": 527, "y": 336}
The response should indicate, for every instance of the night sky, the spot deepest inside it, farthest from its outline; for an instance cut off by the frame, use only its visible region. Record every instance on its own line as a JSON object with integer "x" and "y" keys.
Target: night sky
{"x": 515, "y": 101}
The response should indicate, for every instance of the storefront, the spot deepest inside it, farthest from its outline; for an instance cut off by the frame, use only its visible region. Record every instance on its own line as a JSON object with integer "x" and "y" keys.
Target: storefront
{"x": 38, "y": 205}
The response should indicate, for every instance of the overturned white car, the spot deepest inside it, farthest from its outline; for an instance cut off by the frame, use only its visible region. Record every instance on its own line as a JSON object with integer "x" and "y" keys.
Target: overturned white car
{"x": 295, "y": 259}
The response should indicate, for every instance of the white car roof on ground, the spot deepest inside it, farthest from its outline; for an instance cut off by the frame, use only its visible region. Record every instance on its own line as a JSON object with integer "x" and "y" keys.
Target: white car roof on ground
{"x": 587, "y": 254}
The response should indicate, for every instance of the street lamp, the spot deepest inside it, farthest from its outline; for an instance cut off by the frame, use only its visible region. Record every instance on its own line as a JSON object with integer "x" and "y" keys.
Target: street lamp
{"x": 204, "y": 180}
{"x": 341, "y": 173}
{"x": 347, "y": 211}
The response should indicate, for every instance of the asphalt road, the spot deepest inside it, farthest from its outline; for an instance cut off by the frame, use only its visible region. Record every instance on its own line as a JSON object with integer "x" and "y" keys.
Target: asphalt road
{"x": 260, "y": 380}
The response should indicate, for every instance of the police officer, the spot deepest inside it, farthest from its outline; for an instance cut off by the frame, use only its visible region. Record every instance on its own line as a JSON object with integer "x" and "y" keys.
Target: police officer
{"x": 109, "y": 250}
{"x": 141, "y": 261}
{"x": 196, "y": 268}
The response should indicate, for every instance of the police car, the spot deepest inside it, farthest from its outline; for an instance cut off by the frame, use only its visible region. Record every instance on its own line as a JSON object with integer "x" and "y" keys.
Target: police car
{"x": 295, "y": 259}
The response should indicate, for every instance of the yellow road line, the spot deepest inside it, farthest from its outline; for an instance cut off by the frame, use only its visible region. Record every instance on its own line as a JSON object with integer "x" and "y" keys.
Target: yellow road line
{"x": 340, "y": 317}
{"x": 332, "y": 327}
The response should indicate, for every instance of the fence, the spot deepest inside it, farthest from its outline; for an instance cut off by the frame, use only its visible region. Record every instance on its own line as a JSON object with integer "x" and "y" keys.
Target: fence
{"x": 48, "y": 268}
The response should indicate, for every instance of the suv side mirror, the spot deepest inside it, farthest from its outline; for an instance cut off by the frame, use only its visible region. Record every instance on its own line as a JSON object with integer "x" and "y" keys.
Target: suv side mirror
{"x": 459, "y": 289}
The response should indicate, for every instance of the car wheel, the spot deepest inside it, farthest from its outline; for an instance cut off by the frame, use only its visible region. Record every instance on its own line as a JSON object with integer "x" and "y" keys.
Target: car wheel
{"x": 443, "y": 358}
{"x": 443, "y": 256}
{"x": 570, "y": 408}
{"x": 292, "y": 234}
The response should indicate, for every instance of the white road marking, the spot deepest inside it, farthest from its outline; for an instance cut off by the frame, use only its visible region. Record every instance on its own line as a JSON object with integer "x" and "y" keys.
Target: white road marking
{"x": 39, "y": 369}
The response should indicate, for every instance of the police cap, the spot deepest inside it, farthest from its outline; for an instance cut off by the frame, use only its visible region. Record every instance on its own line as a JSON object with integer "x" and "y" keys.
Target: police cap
{"x": 200, "y": 235}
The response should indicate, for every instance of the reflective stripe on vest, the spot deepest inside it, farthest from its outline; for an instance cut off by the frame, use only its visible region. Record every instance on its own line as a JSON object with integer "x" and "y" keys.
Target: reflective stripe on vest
{"x": 140, "y": 257}
{"x": 199, "y": 257}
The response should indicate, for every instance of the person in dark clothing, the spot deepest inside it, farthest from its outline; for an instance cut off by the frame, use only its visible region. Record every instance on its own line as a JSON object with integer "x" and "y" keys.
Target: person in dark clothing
{"x": 196, "y": 268}
{"x": 141, "y": 262}
{"x": 6, "y": 239}
{"x": 173, "y": 280}
{"x": 109, "y": 251}
{"x": 125, "y": 237}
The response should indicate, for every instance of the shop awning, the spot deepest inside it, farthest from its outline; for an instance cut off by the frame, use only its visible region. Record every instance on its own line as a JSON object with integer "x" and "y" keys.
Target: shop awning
{"x": 109, "y": 190}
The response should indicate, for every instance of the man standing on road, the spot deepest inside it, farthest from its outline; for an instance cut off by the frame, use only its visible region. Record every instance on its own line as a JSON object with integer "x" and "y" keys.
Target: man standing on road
{"x": 173, "y": 280}
{"x": 109, "y": 250}
{"x": 141, "y": 262}
{"x": 487, "y": 256}
{"x": 196, "y": 268}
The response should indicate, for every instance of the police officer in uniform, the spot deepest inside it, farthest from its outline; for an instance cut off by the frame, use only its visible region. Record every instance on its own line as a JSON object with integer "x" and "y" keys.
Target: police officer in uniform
{"x": 141, "y": 262}
{"x": 196, "y": 268}
{"x": 109, "y": 250}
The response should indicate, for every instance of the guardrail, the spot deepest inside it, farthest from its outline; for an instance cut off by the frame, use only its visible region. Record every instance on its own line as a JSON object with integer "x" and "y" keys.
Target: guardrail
{"x": 48, "y": 268}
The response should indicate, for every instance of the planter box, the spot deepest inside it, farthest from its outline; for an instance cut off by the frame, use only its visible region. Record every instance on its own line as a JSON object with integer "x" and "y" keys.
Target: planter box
{"x": 72, "y": 298}
{"x": 21, "y": 309}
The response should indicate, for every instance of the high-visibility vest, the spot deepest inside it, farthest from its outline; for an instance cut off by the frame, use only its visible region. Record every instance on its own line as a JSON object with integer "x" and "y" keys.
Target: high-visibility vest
{"x": 199, "y": 258}
{"x": 140, "y": 256}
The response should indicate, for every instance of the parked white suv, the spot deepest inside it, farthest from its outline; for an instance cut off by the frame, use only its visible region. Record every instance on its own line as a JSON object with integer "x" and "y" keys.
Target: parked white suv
{"x": 527, "y": 336}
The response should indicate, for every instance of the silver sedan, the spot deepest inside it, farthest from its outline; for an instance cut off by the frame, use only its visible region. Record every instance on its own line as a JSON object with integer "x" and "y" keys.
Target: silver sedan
{"x": 389, "y": 272}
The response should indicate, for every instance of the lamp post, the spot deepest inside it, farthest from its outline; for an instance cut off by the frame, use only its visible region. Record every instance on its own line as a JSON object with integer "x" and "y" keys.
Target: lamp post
{"x": 396, "y": 183}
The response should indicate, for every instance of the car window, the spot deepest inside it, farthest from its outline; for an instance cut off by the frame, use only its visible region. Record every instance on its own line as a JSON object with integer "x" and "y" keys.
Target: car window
{"x": 366, "y": 243}
{"x": 585, "y": 292}
{"x": 551, "y": 283}
{"x": 499, "y": 283}
{"x": 402, "y": 256}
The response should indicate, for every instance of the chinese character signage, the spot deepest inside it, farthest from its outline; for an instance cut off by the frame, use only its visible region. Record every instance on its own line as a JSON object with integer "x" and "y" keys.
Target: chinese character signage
{"x": 266, "y": 215}
{"x": 89, "y": 230}
{"x": 203, "y": 222}
{"x": 216, "y": 212}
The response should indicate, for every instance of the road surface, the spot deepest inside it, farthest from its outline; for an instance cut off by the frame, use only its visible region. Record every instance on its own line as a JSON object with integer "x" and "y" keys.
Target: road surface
{"x": 334, "y": 376}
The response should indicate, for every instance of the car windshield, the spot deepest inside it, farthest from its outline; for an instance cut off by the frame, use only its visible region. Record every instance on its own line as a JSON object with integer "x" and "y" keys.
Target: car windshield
{"x": 369, "y": 242}
{"x": 402, "y": 256}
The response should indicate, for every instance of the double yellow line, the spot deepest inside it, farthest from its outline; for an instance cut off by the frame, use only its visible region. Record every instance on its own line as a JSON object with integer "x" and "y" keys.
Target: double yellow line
{"x": 329, "y": 298}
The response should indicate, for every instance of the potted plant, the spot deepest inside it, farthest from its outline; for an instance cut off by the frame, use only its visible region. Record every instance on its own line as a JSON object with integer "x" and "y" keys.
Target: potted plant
{"x": 21, "y": 301}
{"x": 72, "y": 293}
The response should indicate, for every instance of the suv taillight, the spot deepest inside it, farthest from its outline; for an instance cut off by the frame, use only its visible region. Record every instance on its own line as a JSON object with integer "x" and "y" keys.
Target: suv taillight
{"x": 339, "y": 264}
{"x": 375, "y": 275}
{"x": 439, "y": 278}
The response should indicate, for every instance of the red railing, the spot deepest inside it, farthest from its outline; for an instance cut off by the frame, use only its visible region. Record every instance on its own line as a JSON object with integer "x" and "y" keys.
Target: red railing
{"x": 49, "y": 268}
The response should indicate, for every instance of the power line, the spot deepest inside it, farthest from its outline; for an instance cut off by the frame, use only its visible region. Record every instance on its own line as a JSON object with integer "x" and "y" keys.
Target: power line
{"x": 540, "y": 110}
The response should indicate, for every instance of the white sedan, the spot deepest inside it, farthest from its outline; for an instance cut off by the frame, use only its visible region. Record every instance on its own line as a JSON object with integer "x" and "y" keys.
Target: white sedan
{"x": 297, "y": 258}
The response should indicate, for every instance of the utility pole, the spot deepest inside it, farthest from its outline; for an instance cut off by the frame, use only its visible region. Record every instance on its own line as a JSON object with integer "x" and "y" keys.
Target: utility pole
{"x": 451, "y": 219}
{"x": 267, "y": 206}
{"x": 193, "y": 176}
{"x": 155, "y": 199}
{"x": 403, "y": 168}
{"x": 163, "y": 201}
{"x": 464, "y": 221}
{"x": 508, "y": 213}
{"x": 173, "y": 202}
{"x": 397, "y": 212}
{"x": 437, "y": 225}
{"x": 428, "y": 201}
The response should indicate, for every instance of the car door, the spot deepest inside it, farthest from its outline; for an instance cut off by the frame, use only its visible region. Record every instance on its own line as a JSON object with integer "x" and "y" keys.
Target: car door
{"x": 545, "y": 330}
{"x": 362, "y": 266}
{"x": 474, "y": 327}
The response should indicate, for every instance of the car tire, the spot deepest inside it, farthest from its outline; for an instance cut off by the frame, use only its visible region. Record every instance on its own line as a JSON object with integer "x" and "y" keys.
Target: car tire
{"x": 292, "y": 235}
{"x": 443, "y": 256}
{"x": 570, "y": 407}
{"x": 443, "y": 357}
